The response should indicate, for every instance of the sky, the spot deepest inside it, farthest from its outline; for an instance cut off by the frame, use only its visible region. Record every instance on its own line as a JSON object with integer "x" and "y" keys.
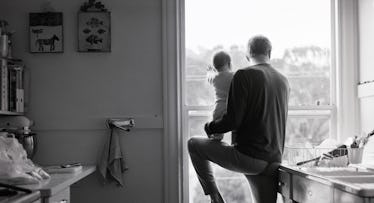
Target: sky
{"x": 287, "y": 23}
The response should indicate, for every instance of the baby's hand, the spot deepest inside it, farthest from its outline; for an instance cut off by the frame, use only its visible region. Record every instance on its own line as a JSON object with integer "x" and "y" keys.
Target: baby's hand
{"x": 211, "y": 72}
{"x": 210, "y": 68}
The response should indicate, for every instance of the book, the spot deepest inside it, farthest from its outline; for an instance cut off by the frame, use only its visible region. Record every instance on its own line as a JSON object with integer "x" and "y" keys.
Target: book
{"x": 12, "y": 90}
{"x": 15, "y": 88}
{"x": 4, "y": 86}
{"x": 20, "y": 93}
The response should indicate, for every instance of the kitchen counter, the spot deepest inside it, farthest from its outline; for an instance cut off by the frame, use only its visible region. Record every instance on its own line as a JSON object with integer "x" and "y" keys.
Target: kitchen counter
{"x": 57, "y": 188}
{"x": 319, "y": 184}
{"x": 60, "y": 181}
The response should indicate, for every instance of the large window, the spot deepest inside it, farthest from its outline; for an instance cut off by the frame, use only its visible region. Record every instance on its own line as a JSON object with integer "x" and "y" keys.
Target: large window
{"x": 300, "y": 31}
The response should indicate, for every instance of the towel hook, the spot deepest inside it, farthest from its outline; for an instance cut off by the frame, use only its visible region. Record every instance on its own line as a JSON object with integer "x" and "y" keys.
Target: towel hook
{"x": 121, "y": 123}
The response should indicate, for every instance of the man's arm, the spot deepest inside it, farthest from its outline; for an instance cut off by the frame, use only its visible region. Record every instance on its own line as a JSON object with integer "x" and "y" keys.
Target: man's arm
{"x": 236, "y": 106}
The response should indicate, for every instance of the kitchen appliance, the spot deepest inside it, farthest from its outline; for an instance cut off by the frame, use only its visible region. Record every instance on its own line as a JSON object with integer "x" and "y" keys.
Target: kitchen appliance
{"x": 20, "y": 127}
{"x": 4, "y": 45}
{"x": 8, "y": 191}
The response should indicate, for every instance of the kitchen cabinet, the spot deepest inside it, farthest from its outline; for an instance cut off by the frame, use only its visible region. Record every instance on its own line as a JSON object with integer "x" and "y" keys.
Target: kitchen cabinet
{"x": 311, "y": 186}
{"x": 308, "y": 191}
{"x": 57, "y": 188}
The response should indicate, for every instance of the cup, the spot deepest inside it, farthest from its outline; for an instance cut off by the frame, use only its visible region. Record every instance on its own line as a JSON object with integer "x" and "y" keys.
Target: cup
{"x": 355, "y": 155}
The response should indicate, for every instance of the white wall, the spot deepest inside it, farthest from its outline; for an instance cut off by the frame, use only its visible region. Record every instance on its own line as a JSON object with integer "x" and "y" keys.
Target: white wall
{"x": 72, "y": 93}
{"x": 366, "y": 29}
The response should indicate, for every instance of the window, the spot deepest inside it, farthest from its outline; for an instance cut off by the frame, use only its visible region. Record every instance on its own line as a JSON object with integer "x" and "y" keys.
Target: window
{"x": 300, "y": 32}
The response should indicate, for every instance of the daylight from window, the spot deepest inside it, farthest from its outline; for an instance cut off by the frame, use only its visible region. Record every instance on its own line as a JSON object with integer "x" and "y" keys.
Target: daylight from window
{"x": 300, "y": 31}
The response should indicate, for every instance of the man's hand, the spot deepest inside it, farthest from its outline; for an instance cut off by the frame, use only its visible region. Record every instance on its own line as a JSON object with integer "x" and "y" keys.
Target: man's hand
{"x": 207, "y": 130}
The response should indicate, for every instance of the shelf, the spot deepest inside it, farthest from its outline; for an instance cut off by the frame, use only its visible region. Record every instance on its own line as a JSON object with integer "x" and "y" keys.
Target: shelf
{"x": 10, "y": 113}
{"x": 14, "y": 60}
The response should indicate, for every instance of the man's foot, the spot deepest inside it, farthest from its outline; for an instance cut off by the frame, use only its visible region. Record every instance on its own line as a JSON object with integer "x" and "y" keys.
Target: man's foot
{"x": 216, "y": 198}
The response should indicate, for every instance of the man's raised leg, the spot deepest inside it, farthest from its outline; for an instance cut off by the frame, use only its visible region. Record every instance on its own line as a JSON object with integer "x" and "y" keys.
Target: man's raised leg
{"x": 203, "y": 150}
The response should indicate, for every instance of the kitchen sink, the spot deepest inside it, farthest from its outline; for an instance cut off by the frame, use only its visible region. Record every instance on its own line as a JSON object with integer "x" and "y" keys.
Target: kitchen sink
{"x": 335, "y": 184}
{"x": 367, "y": 180}
{"x": 338, "y": 171}
{"x": 360, "y": 178}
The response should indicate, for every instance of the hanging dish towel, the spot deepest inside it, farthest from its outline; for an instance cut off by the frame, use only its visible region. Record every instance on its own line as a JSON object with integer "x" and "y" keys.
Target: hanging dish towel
{"x": 112, "y": 164}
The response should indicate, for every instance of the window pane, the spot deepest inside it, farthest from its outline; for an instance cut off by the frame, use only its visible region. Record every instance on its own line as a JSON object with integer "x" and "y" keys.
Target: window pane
{"x": 196, "y": 121}
{"x": 240, "y": 194}
{"x": 308, "y": 71}
{"x": 307, "y": 91}
{"x": 199, "y": 92}
{"x": 306, "y": 132}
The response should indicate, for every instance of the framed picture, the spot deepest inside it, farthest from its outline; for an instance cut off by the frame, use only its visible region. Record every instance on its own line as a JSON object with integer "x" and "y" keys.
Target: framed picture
{"x": 94, "y": 33}
{"x": 46, "y": 32}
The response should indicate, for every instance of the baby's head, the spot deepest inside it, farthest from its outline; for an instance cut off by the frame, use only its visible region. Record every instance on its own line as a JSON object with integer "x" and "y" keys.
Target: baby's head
{"x": 222, "y": 61}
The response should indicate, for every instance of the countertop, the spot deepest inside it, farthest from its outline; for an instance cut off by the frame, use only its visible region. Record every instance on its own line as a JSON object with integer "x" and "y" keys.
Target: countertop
{"x": 358, "y": 181}
{"x": 60, "y": 181}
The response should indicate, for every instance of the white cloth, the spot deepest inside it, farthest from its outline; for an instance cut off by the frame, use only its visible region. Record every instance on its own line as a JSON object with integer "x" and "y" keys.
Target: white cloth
{"x": 221, "y": 83}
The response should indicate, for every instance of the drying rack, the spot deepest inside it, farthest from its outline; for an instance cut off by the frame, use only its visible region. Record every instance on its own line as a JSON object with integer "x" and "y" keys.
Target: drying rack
{"x": 315, "y": 157}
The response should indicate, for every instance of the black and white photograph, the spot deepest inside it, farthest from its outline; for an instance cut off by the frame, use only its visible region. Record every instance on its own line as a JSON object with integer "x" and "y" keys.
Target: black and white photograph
{"x": 187, "y": 101}
{"x": 46, "y": 32}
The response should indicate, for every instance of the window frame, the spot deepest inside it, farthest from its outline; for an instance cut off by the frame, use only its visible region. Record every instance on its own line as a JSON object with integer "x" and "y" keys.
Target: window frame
{"x": 292, "y": 109}
{"x": 345, "y": 46}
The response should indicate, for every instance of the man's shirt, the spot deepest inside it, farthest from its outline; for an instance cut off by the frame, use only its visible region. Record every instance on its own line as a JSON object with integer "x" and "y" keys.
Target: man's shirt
{"x": 257, "y": 110}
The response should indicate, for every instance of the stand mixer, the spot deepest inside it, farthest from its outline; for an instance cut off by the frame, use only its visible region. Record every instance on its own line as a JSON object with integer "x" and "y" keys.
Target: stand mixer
{"x": 20, "y": 127}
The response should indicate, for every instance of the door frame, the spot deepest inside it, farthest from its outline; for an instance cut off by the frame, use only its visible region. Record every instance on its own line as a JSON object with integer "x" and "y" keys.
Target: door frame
{"x": 172, "y": 64}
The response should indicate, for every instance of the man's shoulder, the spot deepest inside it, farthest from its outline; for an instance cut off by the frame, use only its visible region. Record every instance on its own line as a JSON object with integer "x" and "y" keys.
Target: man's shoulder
{"x": 250, "y": 71}
{"x": 256, "y": 68}
{"x": 260, "y": 71}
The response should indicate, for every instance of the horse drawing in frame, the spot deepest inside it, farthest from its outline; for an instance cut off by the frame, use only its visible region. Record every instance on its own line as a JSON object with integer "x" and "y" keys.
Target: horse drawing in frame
{"x": 47, "y": 42}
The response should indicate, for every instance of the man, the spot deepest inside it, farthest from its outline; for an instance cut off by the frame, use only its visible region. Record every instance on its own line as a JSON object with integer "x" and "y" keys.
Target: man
{"x": 257, "y": 111}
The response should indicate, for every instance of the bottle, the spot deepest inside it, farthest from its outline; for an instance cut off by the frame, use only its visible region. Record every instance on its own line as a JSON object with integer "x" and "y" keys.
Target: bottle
{"x": 4, "y": 45}
{"x": 9, "y": 55}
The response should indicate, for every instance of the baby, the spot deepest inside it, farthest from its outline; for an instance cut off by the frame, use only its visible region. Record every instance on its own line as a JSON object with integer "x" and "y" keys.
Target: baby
{"x": 221, "y": 82}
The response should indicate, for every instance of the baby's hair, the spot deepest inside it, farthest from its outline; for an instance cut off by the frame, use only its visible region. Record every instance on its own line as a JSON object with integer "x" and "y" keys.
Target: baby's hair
{"x": 220, "y": 59}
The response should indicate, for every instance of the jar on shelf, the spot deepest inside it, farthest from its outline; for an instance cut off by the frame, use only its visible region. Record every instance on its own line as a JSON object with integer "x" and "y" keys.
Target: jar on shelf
{"x": 4, "y": 45}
